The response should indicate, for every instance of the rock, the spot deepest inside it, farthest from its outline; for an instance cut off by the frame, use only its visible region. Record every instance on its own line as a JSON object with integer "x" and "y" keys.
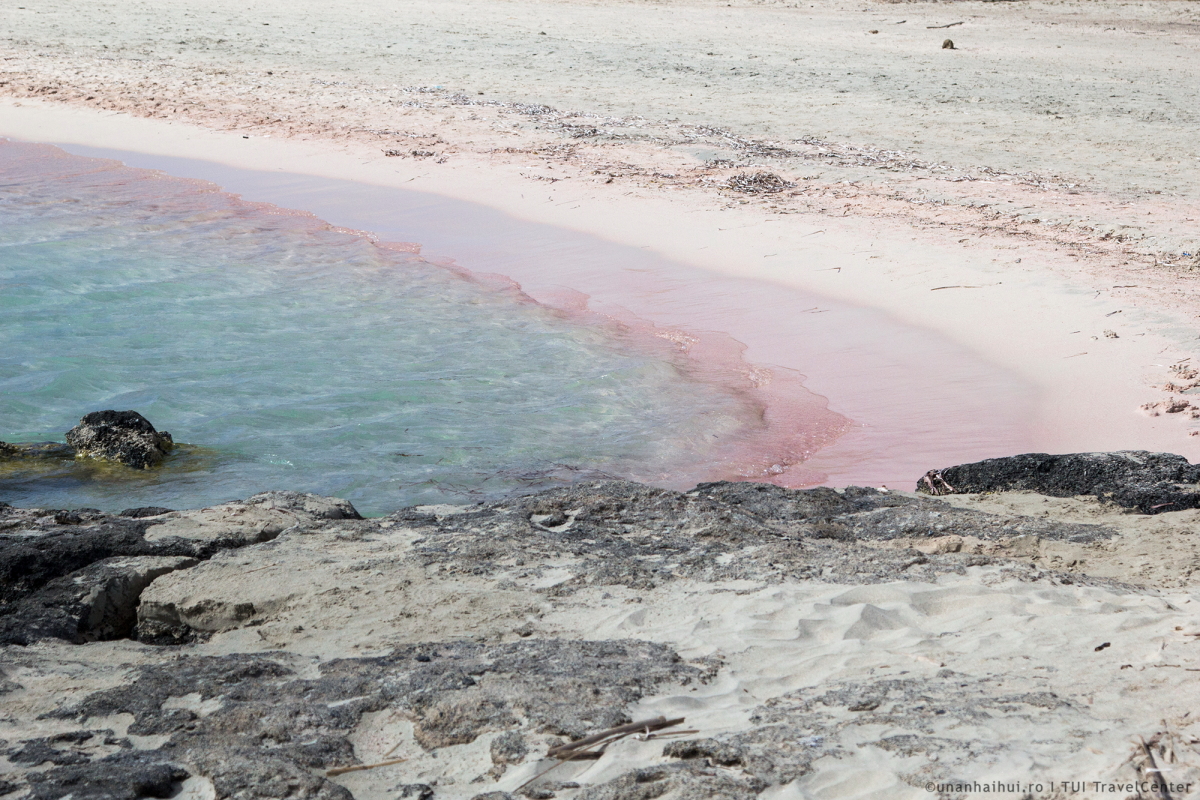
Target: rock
{"x": 96, "y": 603}
{"x": 36, "y": 450}
{"x": 257, "y": 519}
{"x": 51, "y": 561}
{"x": 416, "y": 791}
{"x": 124, "y": 776}
{"x": 268, "y": 725}
{"x": 40, "y": 545}
{"x": 145, "y": 511}
{"x": 122, "y": 436}
{"x": 622, "y": 533}
{"x": 509, "y": 748}
{"x": 1135, "y": 479}
{"x": 948, "y": 45}
{"x": 7, "y": 685}
{"x": 61, "y": 749}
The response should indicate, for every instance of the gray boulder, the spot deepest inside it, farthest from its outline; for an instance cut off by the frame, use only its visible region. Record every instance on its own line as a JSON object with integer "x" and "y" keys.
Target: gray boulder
{"x": 123, "y": 436}
{"x": 96, "y": 603}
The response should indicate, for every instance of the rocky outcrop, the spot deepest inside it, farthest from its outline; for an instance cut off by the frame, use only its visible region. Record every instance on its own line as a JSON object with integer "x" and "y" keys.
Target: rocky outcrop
{"x": 96, "y": 603}
{"x": 627, "y": 534}
{"x": 499, "y": 629}
{"x": 1136, "y": 479}
{"x": 256, "y": 519}
{"x": 78, "y": 575}
{"x": 256, "y": 728}
{"x": 122, "y": 436}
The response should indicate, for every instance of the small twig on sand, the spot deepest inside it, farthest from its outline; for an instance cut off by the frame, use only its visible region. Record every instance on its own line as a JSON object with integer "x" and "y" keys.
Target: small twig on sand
{"x": 258, "y": 569}
{"x": 646, "y": 725}
{"x": 645, "y": 737}
{"x": 935, "y": 27}
{"x": 1157, "y": 785}
{"x": 583, "y": 752}
{"x": 359, "y": 767}
{"x": 581, "y": 748}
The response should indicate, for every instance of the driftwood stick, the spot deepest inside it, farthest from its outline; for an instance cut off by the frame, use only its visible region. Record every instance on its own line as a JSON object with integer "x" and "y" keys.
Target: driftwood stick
{"x": 648, "y": 736}
{"x": 360, "y": 767}
{"x": 646, "y": 725}
{"x": 1160, "y": 789}
{"x": 584, "y": 753}
{"x": 935, "y": 27}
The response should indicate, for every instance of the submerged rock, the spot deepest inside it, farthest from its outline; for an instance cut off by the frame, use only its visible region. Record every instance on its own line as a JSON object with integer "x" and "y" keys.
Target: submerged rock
{"x": 123, "y": 436}
{"x": 36, "y": 450}
{"x": 1148, "y": 482}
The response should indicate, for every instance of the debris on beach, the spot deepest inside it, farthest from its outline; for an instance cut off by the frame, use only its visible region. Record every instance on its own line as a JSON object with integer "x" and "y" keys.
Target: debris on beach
{"x": 1172, "y": 405}
{"x": 758, "y": 183}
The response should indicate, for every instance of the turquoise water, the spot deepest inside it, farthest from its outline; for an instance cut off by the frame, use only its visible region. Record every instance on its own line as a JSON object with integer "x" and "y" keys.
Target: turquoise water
{"x": 290, "y": 355}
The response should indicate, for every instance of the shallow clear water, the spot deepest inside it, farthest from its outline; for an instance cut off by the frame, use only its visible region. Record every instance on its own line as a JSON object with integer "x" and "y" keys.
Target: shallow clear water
{"x": 290, "y": 355}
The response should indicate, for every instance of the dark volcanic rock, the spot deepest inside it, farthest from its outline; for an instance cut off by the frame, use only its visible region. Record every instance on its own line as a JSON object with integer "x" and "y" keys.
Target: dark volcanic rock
{"x": 123, "y": 436}
{"x": 96, "y": 603}
{"x": 1148, "y": 482}
{"x": 76, "y": 575}
{"x": 638, "y": 536}
{"x": 38, "y": 545}
{"x": 272, "y": 728}
{"x": 124, "y": 776}
{"x": 145, "y": 511}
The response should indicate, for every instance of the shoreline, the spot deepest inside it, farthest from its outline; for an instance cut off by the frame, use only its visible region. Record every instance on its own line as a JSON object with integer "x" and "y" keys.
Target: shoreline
{"x": 1085, "y": 397}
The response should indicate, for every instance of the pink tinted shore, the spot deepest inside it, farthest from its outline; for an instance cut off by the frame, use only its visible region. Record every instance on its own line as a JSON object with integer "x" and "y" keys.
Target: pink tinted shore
{"x": 764, "y": 432}
{"x": 914, "y": 400}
